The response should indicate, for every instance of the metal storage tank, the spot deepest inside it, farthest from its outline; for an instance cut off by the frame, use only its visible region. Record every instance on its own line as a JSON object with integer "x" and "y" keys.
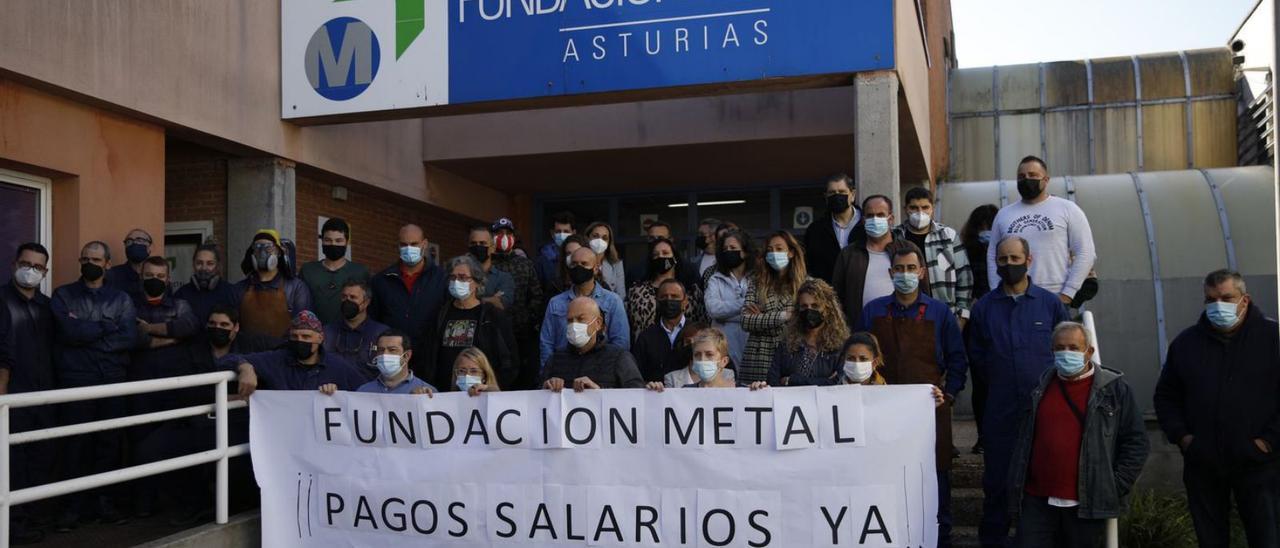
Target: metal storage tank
{"x": 1157, "y": 235}
{"x": 1153, "y": 112}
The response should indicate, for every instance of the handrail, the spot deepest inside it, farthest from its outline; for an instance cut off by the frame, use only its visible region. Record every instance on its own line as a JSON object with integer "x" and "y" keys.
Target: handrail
{"x": 219, "y": 454}
{"x": 1113, "y": 524}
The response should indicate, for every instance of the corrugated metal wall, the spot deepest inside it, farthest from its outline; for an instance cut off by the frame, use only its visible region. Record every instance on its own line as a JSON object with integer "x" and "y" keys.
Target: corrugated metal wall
{"x": 1144, "y": 113}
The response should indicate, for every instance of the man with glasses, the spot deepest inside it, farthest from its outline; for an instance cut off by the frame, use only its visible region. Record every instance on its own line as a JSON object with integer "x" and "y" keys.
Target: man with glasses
{"x": 26, "y": 340}
{"x": 97, "y": 327}
{"x": 127, "y": 277}
{"x": 354, "y": 335}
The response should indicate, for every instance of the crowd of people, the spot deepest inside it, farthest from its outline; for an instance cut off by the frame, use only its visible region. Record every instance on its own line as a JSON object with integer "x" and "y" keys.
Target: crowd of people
{"x": 863, "y": 299}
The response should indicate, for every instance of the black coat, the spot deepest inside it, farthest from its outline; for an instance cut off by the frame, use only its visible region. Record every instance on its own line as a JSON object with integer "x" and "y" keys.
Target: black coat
{"x": 1224, "y": 392}
{"x": 96, "y": 330}
{"x": 493, "y": 336}
{"x": 607, "y": 365}
{"x": 821, "y": 247}
{"x": 654, "y": 353}
{"x": 26, "y": 331}
{"x": 413, "y": 312}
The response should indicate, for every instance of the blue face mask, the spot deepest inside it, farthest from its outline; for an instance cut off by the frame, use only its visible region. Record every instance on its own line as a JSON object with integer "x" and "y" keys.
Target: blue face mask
{"x": 465, "y": 382}
{"x": 877, "y": 226}
{"x": 411, "y": 254}
{"x": 706, "y": 370}
{"x": 906, "y": 282}
{"x": 1069, "y": 363}
{"x": 777, "y": 259}
{"x": 984, "y": 236}
{"x": 559, "y": 238}
{"x": 1222, "y": 314}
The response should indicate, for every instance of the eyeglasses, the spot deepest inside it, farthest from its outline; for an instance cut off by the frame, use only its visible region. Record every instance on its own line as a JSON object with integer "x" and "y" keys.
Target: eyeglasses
{"x": 459, "y": 278}
{"x": 37, "y": 267}
{"x": 261, "y": 246}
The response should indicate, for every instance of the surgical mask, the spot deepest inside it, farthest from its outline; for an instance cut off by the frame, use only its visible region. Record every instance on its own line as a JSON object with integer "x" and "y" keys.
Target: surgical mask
{"x": 136, "y": 253}
{"x": 578, "y": 334}
{"x": 662, "y": 265}
{"x": 333, "y": 252}
{"x": 205, "y": 279}
{"x": 1012, "y": 274}
{"x": 265, "y": 260}
{"x": 410, "y": 254}
{"x": 877, "y": 226}
{"x": 301, "y": 350}
{"x": 480, "y": 252}
{"x": 153, "y": 287}
{"x": 919, "y": 219}
{"x": 669, "y": 309}
{"x": 1068, "y": 362}
{"x": 838, "y": 203}
{"x": 580, "y": 275}
{"x": 811, "y": 318}
{"x": 730, "y": 259}
{"x": 388, "y": 364}
{"x": 599, "y": 246}
{"x": 984, "y": 236}
{"x": 91, "y": 272}
{"x": 459, "y": 289}
{"x": 858, "y": 372}
{"x": 906, "y": 282}
{"x": 218, "y": 336}
{"x": 1222, "y": 314}
{"x": 1029, "y": 189}
{"x": 560, "y": 237}
{"x": 706, "y": 370}
{"x": 350, "y": 309}
{"x": 465, "y": 382}
{"x": 28, "y": 277}
{"x": 778, "y": 260}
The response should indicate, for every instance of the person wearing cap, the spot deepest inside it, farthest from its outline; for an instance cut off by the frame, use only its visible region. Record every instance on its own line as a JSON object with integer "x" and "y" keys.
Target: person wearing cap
{"x": 527, "y": 307}
{"x": 301, "y": 365}
{"x": 270, "y": 295}
{"x": 327, "y": 277}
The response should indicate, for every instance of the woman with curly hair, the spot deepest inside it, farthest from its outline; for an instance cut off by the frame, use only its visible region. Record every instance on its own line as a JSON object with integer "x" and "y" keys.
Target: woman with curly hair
{"x": 810, "y": 352}
{"x": 769, "y": 301}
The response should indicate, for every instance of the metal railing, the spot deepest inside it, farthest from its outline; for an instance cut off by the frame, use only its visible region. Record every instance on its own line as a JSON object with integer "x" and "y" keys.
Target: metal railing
{"x": 1113, "y": 524}
{"x": 220, "y": 454}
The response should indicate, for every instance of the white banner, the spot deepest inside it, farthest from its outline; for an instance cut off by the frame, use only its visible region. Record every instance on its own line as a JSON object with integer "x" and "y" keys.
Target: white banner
{"x": 803, "y": 466}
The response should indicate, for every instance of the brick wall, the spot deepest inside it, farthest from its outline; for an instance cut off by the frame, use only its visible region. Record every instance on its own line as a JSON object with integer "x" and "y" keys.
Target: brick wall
{"x": 195, "y": 186}
{"x": 375, "y": 218}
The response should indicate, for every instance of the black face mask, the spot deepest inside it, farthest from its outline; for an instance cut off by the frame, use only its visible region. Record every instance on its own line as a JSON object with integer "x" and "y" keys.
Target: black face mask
{"x": 730, "y": 259}
{"x": 136, "y": 253}
{"x": 153, "y": 287}
{"x": 662, "y": 265}
{"x": 205, "y": 279}
{"x": 579, "y": 275}
{"x": 334, "y": 252}
{"x": 700, "y": 242}
{"x": 1029, "y": 189}
{"x": 811, "y": 318}
{"x": 1012, "y": 274}
{"x": 301, "y": 350}
{"x": 349, "y": 309}
{"x": 91, "y": 272}
{"x": 669, "y": 309}
{"x": 218, "y": 336}
{"x": 480, "y": 252}
{"x": 838, "y": 203}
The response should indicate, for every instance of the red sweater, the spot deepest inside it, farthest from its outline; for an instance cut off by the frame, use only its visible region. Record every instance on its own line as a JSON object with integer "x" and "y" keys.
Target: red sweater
{"x": 1055, "y": 452}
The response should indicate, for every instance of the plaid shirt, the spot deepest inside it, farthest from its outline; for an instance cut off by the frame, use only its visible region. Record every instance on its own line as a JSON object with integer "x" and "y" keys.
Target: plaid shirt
{"x": 950, "y": 277}
{"x": 527, "y": 310}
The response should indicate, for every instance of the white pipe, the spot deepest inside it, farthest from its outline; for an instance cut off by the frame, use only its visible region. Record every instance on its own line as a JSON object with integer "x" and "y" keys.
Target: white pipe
{"x": 85, "y": 483}
{"x": 1113, "y": 525}
{"x": 4, "y": 476}
{"x": 46, "y": 397}
{"x": 111, "y": 424}
{"x": 220, "y": 501}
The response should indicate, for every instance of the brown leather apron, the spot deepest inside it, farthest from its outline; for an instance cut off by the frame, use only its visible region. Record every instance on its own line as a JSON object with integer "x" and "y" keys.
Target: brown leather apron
{"x": 264, "y": 311}
{"x": 910, "y": 357}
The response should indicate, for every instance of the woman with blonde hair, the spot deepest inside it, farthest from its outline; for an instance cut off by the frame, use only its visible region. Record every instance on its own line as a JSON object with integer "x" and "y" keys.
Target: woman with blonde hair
{"x": 810, "y": 350}
{"x": 769, "y": 303}
{"x": 600, "y": 239}
{"x": 708, "y": 364}
{"x": 472, "y": 373}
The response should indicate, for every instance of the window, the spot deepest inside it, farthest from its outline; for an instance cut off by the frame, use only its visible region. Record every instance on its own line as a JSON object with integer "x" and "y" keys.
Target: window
{"x": 24, "y": 216}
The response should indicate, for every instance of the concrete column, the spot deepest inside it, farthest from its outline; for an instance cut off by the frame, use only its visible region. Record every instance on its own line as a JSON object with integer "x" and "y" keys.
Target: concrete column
{"x": 876, "y": 137}
{"x": 260, "y": 194}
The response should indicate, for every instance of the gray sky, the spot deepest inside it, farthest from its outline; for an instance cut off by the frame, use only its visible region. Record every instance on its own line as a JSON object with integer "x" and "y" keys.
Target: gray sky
{"x": 1010, "y": 32}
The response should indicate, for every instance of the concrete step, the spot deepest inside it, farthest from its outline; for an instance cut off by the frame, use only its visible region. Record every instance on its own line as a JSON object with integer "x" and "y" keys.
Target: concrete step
{"x": 966, "y": 475}
{"x": 966, "y": 506}
{"x": 965, "y": 537}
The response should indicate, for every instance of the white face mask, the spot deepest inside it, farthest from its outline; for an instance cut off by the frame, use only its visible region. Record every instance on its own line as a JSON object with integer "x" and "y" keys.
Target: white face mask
{"x": 465, "y": 382}
{"x": 599, "y": 246}
{"x": 858, "y": 372}
{"x": 919, "y": 219}
{"x": 388, "y": 364}
{"x": 459, "y": 289}
{"x": 706, "y": 370}
{"x": 28, "y": 277}
{"x": 778, "y": 260}
{"x": 578, "y": 334}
